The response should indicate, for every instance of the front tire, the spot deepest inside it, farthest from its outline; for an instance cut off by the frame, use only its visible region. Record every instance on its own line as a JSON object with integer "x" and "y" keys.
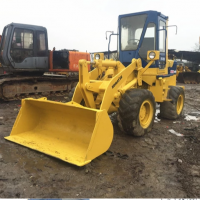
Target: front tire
{"x": 136, "y": 112}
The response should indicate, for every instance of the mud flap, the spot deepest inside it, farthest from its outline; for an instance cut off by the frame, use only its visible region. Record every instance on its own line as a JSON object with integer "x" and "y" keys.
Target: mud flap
{"x": 67, "y": 131}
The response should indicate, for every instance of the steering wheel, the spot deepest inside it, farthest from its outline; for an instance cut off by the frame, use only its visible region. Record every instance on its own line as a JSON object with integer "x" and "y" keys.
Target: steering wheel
{"x": 134, "y": 40}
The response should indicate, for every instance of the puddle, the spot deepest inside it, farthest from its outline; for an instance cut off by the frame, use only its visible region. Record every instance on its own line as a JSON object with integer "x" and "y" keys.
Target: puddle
{"x": 176, "y": 122}
{"x": 197, "y": 114}
{"x": 191, "y": 118}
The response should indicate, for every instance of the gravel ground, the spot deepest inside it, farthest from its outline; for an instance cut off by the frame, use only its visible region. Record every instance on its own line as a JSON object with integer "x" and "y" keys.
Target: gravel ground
{"x": 158, "y": 165}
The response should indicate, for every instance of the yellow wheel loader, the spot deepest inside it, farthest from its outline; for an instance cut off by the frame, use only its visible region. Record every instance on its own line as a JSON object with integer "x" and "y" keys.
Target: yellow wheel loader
{"x": 81, "y": 130}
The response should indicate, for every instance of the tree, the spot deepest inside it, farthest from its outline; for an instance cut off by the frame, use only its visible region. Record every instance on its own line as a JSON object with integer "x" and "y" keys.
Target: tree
{"x": 197, "y": 47}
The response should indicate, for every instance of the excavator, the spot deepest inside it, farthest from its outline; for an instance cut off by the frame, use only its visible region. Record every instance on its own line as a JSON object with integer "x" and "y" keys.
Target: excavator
{"x": 25, "y": 57}
{"x": 80, "y": 130}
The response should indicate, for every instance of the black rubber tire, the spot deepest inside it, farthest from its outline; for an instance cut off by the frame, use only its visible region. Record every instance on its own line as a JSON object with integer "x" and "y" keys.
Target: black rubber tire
{"x": 113, "y": 117}
{"x": 129, "y": 110}
{"x": 168, "y": 109}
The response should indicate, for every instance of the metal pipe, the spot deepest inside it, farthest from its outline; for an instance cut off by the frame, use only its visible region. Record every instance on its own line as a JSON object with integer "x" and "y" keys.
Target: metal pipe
{"x": 109, "y": 42}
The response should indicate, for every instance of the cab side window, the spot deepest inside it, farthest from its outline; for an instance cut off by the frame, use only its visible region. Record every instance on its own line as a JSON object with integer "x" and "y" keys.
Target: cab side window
{"x": 41, "y": 44}
{"x": 22, "y": 45}
{"x": 162, "y": 36}
{"x": 162, "y": 46}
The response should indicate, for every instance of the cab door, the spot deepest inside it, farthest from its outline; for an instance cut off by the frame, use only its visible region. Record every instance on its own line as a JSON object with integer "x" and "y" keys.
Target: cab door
{"x": 21, "y": 52}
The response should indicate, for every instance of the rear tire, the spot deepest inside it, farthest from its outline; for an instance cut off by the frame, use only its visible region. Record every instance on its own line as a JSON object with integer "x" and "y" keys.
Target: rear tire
{"x": 173, "y": 109}
{"x": 136, "y": 112}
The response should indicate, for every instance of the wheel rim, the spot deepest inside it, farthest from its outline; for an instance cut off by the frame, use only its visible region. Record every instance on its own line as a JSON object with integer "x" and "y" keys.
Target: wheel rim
{"x": 146, "y": 114}
{"x": 180, "y": 103}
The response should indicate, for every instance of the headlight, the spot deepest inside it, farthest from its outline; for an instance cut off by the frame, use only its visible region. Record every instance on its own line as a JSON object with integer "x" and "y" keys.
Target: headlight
{"x": 152, "y": 55}
{"x": 97, "y": 57}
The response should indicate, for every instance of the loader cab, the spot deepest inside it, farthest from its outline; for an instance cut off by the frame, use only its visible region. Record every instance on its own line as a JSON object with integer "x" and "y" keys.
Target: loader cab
{"x": 24, "y": 48}
{"x": 141, "y": 32}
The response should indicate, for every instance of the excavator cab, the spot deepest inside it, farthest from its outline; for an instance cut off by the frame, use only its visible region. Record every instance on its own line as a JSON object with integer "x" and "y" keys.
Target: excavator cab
{"x": 24, "y": 48}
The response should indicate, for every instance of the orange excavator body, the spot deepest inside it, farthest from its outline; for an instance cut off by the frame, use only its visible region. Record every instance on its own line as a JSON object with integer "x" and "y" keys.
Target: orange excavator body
{"x": 74, "y": 57}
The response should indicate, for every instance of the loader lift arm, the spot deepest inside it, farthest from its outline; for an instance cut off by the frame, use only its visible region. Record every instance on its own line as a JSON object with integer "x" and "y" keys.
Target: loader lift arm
{"x": 113, "y": 86}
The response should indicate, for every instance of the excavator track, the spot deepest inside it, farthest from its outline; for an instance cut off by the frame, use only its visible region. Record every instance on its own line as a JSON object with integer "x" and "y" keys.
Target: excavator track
{"x": 18, "y": 87}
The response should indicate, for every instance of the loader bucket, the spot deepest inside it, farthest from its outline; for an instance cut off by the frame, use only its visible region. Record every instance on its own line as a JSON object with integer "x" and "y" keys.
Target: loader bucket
{"x": 67, "y": 131}
{"x": 189, "y": 77}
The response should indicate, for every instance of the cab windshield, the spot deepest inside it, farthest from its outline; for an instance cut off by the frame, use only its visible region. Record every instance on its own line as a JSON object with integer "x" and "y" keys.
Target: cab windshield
{"x": 131, "y": 30}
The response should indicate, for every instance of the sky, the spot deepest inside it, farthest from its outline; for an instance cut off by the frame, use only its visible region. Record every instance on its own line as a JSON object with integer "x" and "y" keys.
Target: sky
{"x": 81, "y": 24}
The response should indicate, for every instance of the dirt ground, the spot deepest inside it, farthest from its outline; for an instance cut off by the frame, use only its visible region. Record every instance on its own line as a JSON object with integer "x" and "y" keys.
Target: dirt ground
{"x": 158, "y": 165}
